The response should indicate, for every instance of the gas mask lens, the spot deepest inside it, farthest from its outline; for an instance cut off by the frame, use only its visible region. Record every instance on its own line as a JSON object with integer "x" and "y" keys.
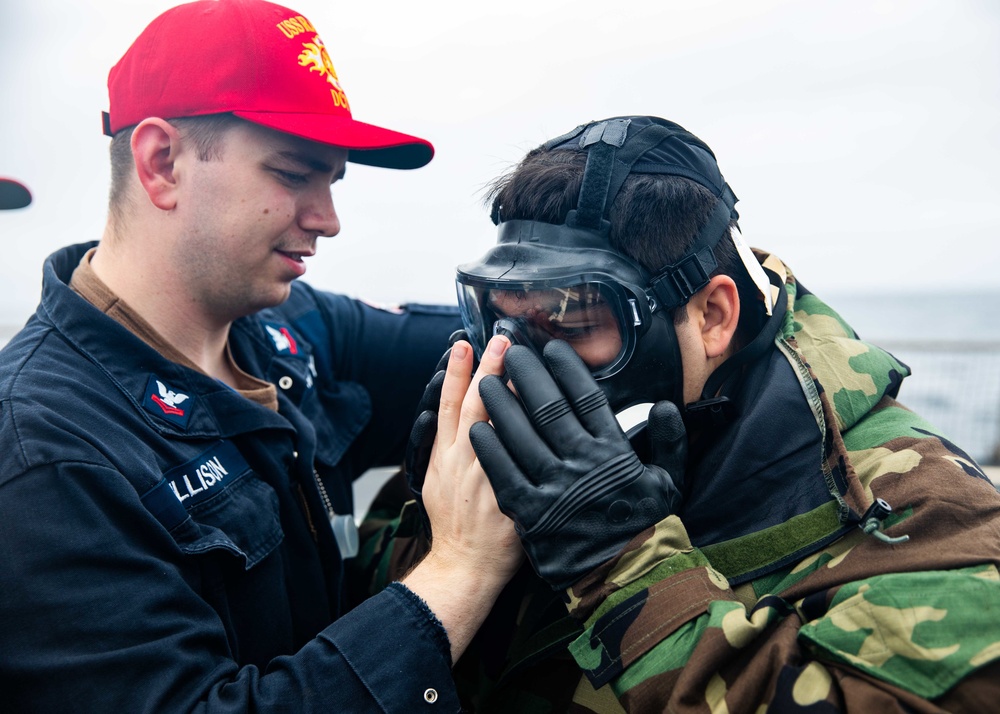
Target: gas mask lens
{"x": 588, "y": 316}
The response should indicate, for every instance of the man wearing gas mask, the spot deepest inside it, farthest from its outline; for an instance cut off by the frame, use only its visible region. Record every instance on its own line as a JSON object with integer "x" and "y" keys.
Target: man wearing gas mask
{"x": 779, "y": 533}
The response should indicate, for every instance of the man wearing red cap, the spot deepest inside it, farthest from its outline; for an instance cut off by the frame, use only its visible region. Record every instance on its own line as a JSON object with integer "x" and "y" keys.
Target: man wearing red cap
{"x": 181, "y": 420}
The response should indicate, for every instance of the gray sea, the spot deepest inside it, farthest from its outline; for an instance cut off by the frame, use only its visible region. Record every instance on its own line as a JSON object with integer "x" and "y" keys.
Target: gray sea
{"x": 951, "y": 342}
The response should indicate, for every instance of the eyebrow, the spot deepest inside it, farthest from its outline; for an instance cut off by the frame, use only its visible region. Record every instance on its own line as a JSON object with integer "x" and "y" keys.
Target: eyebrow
{"x": 311, "y": 163}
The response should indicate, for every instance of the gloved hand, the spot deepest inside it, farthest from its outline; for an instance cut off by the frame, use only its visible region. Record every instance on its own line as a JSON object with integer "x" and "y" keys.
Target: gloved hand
{"x": 418, "y": 448}
{"x": 563, "y": 470}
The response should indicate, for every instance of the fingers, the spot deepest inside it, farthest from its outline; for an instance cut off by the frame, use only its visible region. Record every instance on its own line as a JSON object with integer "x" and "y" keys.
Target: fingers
{"x": 461, "y": 406}
{"x": 514, "y": 428}
{"x": 419, "y": 452}
{"x": 458, "y": 375}
{"x": 432, "y": 392}
{"x": 668, "y": 439}
{"x": 454, "y": 337}
{"x": 508, "y": 482}
{"x": 492, "y": 363}
{"x": 544, "y": 401}
{"x": 580, "y": 387}
{"x": 442, "y": 364}
{"x": 459, "y": 334}
{"x": 665, "y": 422}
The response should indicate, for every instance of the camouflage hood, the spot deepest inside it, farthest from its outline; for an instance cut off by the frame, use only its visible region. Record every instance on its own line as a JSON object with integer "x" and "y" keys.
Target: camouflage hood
{"x": 776, "y": 483}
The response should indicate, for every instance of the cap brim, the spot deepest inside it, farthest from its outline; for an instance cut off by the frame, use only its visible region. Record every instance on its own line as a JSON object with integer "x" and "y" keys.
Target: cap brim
{"x": 13, "y": 194}
{"x": 367, "y": 143}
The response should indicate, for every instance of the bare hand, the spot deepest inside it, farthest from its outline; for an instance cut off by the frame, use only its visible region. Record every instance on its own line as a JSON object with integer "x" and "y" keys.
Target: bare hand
{"x": 466, "y": 522}
{"x": 474, "y": 548}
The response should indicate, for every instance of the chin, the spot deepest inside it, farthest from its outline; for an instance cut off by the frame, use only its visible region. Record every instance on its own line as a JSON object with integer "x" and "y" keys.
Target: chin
{"x": 275, "y": 298}
{"x": 263, "y": 299}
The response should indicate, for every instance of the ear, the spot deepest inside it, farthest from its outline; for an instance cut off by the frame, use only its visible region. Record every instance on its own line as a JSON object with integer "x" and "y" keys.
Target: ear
{"x": 155, "y": 145}
{"x": 719, "y": 306}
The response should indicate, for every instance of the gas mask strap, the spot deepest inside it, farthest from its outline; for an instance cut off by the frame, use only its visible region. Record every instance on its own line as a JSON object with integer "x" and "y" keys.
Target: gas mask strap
{"x": 548, "y": 145}
{"x": 609, "y": 163}
{"x": 674, "y": 284}
{"x": 602, "y": 142}
{"x": 641, "y": 141}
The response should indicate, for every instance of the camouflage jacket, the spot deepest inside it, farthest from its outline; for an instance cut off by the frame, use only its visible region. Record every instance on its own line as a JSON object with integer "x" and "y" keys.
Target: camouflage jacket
{"x": 764, "y": 592}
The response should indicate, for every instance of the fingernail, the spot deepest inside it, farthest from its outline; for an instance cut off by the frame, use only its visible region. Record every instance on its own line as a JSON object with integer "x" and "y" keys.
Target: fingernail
{"x": 459, "y": 350}
{"x": 498, "y": 345}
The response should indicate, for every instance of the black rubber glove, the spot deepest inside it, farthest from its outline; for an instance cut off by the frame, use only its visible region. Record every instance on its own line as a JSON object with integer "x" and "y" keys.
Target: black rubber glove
{"x": 562, "y": 468}
{"x": 418, "y": 448}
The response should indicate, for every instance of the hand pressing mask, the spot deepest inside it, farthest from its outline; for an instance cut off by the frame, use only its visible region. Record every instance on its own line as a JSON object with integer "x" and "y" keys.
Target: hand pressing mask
{"x": 563, "y": 470}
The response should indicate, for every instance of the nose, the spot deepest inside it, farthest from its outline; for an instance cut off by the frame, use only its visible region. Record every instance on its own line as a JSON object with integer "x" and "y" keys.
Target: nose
{"x": 318, "y": 215}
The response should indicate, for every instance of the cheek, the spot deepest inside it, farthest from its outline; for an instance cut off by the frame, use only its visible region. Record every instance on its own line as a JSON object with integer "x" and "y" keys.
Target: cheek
{"x": 257, "y": 226}
{"x": 600, "y": 349}
{"x": 275, "y": 215}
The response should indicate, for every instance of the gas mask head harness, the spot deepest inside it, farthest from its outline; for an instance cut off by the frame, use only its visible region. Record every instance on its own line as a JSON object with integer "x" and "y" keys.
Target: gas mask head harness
{"x": 544, "y": 281}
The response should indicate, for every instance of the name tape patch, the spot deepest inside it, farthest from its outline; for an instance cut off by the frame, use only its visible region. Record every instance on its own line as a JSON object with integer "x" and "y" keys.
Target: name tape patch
{"x": 207, "y": 474}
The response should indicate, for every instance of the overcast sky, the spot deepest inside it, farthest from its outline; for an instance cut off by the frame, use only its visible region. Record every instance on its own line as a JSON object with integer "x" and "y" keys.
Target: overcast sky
{"x": 860, "y": 136}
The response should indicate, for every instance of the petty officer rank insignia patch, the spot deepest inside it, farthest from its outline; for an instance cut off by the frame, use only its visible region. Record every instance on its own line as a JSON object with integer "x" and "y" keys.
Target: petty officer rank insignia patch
{"x": 167, "y": 403}
{"x": 281, "y": 336}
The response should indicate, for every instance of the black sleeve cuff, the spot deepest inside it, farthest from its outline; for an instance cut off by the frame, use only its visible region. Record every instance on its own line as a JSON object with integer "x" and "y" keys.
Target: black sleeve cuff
{"x": 435, "y": 629}
{"x": 399, "y": 651}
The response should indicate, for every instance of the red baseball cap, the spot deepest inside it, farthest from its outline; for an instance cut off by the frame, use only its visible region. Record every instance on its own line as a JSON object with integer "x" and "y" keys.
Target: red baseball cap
{"x": 260, "y": 61}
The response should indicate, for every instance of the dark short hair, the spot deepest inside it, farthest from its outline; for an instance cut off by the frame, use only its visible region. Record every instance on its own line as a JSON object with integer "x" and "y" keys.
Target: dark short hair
{"x": 204, "y": 131}
{"x": 655, "y": 218}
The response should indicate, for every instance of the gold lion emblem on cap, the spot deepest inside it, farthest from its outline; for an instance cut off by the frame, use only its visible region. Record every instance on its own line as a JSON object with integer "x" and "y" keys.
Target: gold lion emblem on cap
{"x": 316, "y": 58}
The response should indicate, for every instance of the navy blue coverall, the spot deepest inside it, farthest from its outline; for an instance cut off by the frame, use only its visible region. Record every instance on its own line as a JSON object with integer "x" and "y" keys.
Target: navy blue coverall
{"x": 166, "y": 543}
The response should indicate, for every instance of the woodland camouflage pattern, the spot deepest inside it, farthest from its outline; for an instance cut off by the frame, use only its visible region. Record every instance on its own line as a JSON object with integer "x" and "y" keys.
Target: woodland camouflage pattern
{"x": 809, "y": 615}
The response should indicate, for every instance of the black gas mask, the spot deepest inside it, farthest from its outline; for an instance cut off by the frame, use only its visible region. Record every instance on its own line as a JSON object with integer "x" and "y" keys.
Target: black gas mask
{"x": 544, "y": 281}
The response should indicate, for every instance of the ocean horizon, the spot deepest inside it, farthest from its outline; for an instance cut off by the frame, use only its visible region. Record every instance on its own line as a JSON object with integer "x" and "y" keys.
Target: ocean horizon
{"x": 966, "y": 317}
